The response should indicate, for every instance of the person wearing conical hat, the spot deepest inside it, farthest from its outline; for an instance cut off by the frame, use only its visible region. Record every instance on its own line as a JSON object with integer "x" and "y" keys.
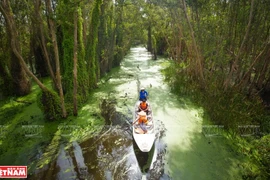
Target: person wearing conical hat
{"x": 142, "y": 119}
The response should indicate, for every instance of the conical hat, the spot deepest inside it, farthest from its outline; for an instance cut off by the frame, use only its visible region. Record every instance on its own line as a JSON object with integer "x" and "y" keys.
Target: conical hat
{"x": 142, "y": 113}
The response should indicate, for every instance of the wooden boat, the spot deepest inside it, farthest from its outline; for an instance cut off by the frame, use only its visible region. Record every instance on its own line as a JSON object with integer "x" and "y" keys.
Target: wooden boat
{"x": 144, "y": 140}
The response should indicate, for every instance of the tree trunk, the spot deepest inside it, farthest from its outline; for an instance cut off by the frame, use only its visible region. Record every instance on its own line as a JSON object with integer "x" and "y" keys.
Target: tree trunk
{"x": 30, "y": 55}
{"x": 75, "y": 59}
{"x": 6, "y": 87}
{"x": 149, "y": 38}
{"x": 56, "y": 54}
{"x": 11, "y": 27}
{"x": 84, "y": 27}
{"x": 42, "y": 39}
{"x": 256, "y": 61}
{"x": 199, "y": 65}
{"x": 20, "y": 82}
{"x": 235, "y": 64}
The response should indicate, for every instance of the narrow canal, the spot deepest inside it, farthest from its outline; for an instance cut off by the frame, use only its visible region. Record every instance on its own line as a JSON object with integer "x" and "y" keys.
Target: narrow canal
{"x": 181, "y": 151}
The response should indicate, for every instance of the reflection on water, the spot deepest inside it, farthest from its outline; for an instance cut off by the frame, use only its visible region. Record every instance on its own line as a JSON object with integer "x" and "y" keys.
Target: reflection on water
{"x": 81, "y": 167}
{"x": 110, "y": 155}
{"x": 65, "y": 165}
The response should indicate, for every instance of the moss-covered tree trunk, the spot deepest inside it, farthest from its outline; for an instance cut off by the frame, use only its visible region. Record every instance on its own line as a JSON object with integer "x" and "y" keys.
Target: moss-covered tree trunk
{"x": 119, "y": 35}
{"x": 65, "y": 13}
{"x": 48, "y": 101}
{"x": 93, "y": 64}
{"x": 102, "y": 41}
{"x": 73, "y": 56}
{"x": 83, "y": 77}
{"x": 75, "y": 59}
{"x": 111, "y": 35}
{"x": 56, "y": 56}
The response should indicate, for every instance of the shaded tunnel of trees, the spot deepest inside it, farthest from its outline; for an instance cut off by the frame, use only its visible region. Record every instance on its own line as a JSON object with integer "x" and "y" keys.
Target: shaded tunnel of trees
{"x": 219, "y": 49}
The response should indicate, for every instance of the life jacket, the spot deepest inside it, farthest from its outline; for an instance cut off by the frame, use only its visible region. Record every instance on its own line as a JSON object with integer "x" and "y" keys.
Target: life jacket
{"x": 143, "y": 119}
{"x": 143, "y": 105}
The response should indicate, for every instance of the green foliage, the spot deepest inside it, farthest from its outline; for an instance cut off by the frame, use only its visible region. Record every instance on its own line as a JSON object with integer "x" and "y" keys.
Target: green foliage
{"x": 106, "y": 37}
{"x": 49, "y": 103}
{"x": 67, "y": 45}
{"x": 257, "y": 151}
{"x": 9, "y": 109}
{"x": 230, "y": 108}
{"x": 261, "y": 152}
{"x": 17, "y": 149}
{"x": 93, "y": 64}
{"x": 65, "y": 11}
{"x": 83, "y": 78}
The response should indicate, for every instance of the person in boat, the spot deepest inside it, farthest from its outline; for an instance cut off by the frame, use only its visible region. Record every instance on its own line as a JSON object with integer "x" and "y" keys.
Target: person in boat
{"x": 143, "y": 94}
{"x": 144, "y": 106}
{"x": 142, "y": 119}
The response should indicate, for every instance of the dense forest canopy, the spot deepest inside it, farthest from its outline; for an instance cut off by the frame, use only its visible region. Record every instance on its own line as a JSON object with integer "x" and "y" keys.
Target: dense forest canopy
{"x": 220, "y": 45}
{"x": 73, "y": 42}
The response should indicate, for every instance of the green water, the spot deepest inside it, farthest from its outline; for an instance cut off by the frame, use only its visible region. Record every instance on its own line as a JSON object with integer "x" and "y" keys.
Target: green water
{"x": 181, "y": 150}
{"x": 190, "y": 155}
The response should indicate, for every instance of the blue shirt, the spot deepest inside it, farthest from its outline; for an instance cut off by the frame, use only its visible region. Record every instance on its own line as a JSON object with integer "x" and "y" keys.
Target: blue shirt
{"x": 143, "y": 94}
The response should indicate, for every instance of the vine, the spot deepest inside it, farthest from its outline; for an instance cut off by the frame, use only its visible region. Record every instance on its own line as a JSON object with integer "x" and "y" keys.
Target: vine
{"x": 93, "y": 64}
{"x": 83, "y": 79}
{"x": 49, "y": 103}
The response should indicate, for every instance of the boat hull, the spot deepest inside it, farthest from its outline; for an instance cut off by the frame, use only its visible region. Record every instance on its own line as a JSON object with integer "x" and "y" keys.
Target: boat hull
{"x": 144, "y": 141}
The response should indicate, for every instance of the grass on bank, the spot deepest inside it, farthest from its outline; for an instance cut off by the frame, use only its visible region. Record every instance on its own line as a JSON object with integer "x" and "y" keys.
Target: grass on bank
{"x": 26, "y": 138}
